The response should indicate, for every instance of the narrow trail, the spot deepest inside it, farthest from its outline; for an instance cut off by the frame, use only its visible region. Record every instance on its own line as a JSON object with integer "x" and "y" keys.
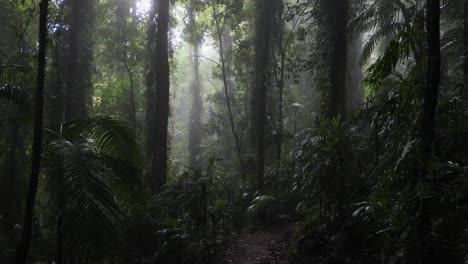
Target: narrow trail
{"x": 265, "y": 246}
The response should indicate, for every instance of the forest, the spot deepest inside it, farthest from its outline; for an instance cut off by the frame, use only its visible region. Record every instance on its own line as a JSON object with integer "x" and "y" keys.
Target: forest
{"x": 233, "y": 131}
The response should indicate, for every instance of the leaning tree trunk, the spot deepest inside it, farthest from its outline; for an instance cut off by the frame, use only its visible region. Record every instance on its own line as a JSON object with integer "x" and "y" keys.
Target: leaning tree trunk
{"x": 159, "y": 170}
{"x": 23, "y": 246}
{"x": 224, "y": 70}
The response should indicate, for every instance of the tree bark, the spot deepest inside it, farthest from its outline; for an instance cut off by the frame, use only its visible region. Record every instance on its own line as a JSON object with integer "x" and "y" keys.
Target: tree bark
{"x": 9, "y": 204}
{"x": 23, "y": 246}
{"x": 337, "y": 12}
{"x": 150, "y": 115}
{"x": 431, "y": 90}
{"x": 55, "y": 111}
{"x": 78, "y": 64}
{"x": 282, "y": 50}
{"x": 354, "y": 76}
{"x": 465, "y": 42}
{"x": 264, "y": 19}
{"x": 159, "y": 170}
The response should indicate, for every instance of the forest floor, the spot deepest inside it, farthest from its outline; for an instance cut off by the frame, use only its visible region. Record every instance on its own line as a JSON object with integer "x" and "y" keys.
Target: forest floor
{"x": 269, "y": 245}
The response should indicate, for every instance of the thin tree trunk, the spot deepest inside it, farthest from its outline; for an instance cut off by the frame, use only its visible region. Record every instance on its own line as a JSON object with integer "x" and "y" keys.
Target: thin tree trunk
{"x": 293, "y": 154}
{"x": 226, "y": 93}
{"x": 132, "y": 101}
{"x": 23, "y": 246}
{"x": 159, "y": 170}
{"x": 132, "y": 96}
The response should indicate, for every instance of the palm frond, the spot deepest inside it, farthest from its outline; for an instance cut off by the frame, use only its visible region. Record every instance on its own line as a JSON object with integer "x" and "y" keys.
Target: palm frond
{"x": 14, "y": 73}
{"x": 112, "y": 138}
{"x": 16, "y": 95}
{"x": 384, "y": 20}
{"x": 404, "y": 44}
{"x": 90, "y": 207}
{"x": 99, "y": 164}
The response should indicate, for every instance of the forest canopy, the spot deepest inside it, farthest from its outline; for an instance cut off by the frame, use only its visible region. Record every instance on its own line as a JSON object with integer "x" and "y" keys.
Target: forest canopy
{"x": 233, "y": 131}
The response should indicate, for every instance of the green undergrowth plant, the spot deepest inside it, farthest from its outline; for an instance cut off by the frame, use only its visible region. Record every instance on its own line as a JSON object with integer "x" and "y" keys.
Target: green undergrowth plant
{"x": 366, "y": 180}
{"x": 196, "y": 211}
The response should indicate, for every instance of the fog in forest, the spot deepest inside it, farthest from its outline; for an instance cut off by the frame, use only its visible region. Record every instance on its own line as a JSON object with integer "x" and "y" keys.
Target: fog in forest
{"x": 233, "y": 131}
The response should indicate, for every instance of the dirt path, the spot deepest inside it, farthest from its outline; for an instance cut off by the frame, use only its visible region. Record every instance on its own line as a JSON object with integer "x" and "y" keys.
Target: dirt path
{"x": 266, "y": 246}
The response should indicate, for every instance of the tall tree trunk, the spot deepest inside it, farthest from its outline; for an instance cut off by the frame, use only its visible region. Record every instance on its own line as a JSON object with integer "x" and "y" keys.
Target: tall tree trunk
{"x": 337, "y": 16}
{"x": 282, "y": 50}
{"x": 354, "y": 76}
{"x": 150, "y": 115}
{"x": 465, "y": 41}
{"x": 197, "y": 103}
{"x": 431, "y": 91}
{"x": 78, "y": 63}
{"x": 159, "y": 170}
{"x": 55, "y": 121}
{"x": 23, "y": 246}
{"x": 195, "y": 113}
{"x": 9, "y": 182}
{"x": 264, "y": 19}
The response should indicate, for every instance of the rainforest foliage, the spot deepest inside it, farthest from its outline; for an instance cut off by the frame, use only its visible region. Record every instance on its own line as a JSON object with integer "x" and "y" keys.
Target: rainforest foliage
{"x": 155, "y": 131}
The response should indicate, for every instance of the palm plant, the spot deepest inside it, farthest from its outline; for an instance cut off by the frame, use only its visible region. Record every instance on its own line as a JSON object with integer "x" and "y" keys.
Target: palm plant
{"x": 98, "y": 160}
{"x": 91, "y": 167}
